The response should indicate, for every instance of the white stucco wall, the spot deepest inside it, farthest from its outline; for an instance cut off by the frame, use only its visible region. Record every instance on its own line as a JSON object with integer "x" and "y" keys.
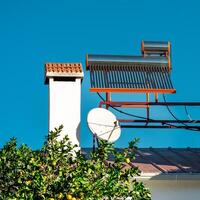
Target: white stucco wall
{"x": 64, "y": 107}
{"x": 174, "y": 189}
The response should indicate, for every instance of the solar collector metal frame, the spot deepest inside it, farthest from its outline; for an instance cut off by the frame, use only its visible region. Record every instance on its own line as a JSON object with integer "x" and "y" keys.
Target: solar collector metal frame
{"x": 149, "y": 73}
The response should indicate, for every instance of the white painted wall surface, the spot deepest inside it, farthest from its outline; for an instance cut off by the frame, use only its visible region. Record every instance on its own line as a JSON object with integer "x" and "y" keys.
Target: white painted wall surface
{"x": 174, "y": 190}
{"x": 64, "y": 107}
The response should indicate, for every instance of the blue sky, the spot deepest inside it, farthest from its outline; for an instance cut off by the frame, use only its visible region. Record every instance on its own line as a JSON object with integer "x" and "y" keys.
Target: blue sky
{"x": 35, "y": 32}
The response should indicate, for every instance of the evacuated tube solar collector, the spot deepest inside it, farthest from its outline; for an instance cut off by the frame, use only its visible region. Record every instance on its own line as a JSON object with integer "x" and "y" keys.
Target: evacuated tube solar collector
{"x": 148, "y": 73}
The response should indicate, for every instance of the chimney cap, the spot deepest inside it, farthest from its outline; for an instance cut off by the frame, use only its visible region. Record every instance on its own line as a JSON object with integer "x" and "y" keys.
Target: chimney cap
{"x": 63, "y": 70}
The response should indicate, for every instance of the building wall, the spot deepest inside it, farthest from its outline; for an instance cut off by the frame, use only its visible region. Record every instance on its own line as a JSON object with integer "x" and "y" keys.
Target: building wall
{"x": 64, "y": 107}
{"x": 174, "y": 190}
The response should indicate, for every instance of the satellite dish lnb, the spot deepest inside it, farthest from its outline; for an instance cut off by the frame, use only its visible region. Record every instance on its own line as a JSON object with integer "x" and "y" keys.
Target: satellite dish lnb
{"x": 104, "y": 124}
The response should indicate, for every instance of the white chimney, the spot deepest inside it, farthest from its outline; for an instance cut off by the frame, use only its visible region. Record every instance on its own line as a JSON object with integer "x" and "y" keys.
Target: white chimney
{"x": 64, "y": 80}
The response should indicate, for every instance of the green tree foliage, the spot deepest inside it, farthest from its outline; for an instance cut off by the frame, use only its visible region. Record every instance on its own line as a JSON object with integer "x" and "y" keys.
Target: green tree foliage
{"x": 60, "y": 171}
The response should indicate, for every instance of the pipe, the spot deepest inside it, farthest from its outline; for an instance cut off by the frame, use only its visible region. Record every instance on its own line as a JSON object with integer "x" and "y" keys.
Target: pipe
{"x": 175, "y": 127}
{"x": 158, "y": 121}
{"x": 119, "y": 104}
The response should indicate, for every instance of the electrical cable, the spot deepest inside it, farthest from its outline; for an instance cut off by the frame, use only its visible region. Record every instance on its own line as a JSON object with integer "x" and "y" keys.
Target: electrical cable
{"x": 176, "y": 117}
{"x": 140, "y": 117}
{"x": 187, "y": 113}
{"x": 118, "y": 110}
{"x": 189, "y": 116}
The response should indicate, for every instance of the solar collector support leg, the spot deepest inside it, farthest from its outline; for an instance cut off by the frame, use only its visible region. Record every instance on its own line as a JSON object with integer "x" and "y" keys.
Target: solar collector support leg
{"x": 156, "y": 97}
{"x": 108, "y": 99}
{"x": 148, "y": 112}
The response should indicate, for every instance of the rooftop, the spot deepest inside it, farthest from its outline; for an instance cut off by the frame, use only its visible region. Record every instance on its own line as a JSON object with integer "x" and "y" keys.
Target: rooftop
{"x": 166, "y": 163}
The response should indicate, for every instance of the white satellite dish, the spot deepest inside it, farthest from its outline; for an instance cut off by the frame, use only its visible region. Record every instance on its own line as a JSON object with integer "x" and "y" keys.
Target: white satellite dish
{"x": 104, "y": 124}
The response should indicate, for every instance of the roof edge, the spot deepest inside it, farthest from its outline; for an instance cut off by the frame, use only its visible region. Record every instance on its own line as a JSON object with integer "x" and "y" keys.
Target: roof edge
{"x": 169, "y": 176}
